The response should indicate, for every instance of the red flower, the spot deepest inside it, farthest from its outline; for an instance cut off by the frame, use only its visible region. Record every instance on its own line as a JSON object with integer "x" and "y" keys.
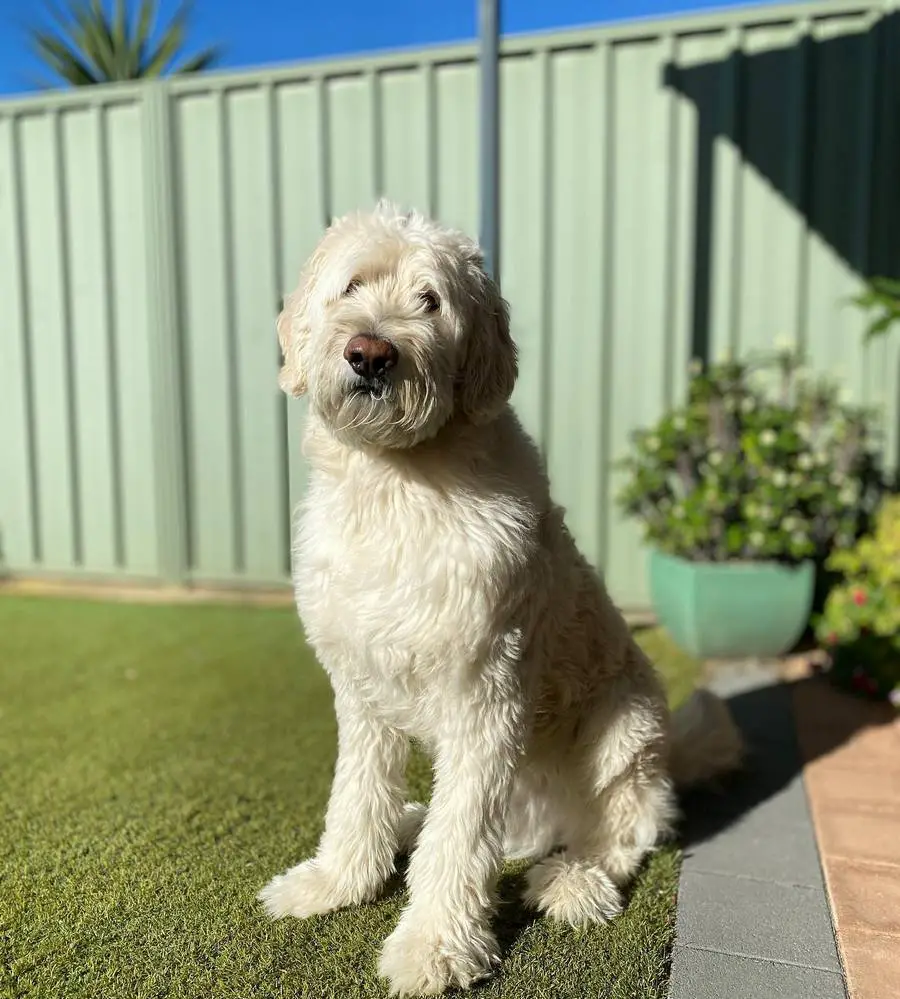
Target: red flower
{"x": 859, "y": 597}
{"x": 831, "y": 638}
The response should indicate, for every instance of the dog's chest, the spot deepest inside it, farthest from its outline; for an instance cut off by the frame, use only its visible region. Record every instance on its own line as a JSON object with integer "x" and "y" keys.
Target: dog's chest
{"x": 400, "y": 587}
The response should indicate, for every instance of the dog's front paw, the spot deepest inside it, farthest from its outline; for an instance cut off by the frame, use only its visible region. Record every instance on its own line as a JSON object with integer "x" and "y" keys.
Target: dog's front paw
{"x": 419, "y": 959}
{"x": 310, "y": 889}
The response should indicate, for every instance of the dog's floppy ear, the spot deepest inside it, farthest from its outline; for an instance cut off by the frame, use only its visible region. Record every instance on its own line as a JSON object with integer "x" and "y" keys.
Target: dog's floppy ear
{"x": 490, "y": 363}
{"x": 292, "y": 377}
{"x": 293, "y": 327}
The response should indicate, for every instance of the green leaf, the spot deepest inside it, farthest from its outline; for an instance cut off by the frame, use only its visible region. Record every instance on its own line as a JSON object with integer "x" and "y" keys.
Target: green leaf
{"x": 169, "y": 45}
{"x": 881, "y": 295}
{"x": 146, "y": 23}
{"x": 881, "y": 326}
{"x": 67, "y": 63}
{"x": 888, "y": 286}
{"x": 93, "y": 37}
{"x": 121, "y": 42}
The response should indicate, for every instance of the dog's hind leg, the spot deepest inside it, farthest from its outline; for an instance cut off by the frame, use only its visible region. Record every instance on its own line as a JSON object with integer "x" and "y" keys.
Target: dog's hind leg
{"x": 618, "y": 827}
{"x": 627, "y": 806}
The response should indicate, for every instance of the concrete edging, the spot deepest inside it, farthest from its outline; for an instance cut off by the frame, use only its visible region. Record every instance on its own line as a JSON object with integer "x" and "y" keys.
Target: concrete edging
{"x": 753, "y": 917}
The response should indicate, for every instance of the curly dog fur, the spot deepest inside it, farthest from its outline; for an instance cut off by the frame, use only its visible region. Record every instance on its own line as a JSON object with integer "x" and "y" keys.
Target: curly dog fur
{"x": 446, "y": 599}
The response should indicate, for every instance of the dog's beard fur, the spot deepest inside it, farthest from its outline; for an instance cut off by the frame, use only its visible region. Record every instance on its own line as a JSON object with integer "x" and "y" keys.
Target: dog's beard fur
{"x": 399, "y": 410}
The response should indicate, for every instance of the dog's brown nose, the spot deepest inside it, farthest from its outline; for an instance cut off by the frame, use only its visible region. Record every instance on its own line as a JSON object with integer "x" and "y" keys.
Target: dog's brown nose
{"x": 370, "y": 356}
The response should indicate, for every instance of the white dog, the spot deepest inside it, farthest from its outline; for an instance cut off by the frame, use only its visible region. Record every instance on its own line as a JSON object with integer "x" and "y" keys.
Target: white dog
{"x": 446, "y": 599}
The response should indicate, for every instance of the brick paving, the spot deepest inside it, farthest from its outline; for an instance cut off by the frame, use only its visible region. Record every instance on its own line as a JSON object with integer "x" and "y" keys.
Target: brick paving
{"x": 851, "y": 750}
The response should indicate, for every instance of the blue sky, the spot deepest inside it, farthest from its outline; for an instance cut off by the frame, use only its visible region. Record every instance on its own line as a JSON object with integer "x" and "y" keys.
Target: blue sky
{"x": 256, "y": 32}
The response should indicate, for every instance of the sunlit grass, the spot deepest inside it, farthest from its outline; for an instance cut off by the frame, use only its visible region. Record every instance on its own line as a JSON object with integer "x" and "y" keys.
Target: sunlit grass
{"x": 160, "y": 763}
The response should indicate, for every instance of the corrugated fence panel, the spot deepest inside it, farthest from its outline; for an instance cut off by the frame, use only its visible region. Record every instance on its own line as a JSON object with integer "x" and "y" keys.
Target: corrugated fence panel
{"x": 525, "y": 118}
{"x": 642, "y": 237}
{"x": 133, "y": 406}
{"x": 260, "y": 409}
{"x": 19, "y": 537}
{"x": 302, "y": 195}
{"x": 208, "y": 329}
{"x": 46, "y": 264}
{"x": 456, "y": 126}
{"x": 717, "y": 85}
{"x": 683, "y": 124}
{"x": 94, "y": 384}
{"x": 577, "y": 387}
{"x": 839, "y": 195}
{"x": 77, "y": 486}
{"x": 767, "y": 271}
{"x": 669, "y": 189}
{"x": 883, "y": 359}
{"x": 351, "y": 142}
{"x": 407, "y": 153}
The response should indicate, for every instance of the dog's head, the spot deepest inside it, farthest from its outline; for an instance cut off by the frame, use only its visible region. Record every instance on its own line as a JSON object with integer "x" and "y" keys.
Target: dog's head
{"x": 394, "y": 329}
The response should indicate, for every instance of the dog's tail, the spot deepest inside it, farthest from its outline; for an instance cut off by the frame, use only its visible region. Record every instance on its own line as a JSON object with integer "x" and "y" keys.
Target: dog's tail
{"x": 706, "y": 742}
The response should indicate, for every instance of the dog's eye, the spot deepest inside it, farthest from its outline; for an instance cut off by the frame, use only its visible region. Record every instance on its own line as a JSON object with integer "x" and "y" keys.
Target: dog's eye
{"x": 429, "y": 301}
{"x": 354, "y": 284}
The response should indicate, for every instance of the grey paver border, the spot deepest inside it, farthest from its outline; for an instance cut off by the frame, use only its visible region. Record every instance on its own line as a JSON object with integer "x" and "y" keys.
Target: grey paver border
{"x": 753, "y": 918}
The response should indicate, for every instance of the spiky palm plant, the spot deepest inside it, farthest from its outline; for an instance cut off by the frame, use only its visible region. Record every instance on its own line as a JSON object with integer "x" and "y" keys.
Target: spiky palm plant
{"x": 94, "y": 44}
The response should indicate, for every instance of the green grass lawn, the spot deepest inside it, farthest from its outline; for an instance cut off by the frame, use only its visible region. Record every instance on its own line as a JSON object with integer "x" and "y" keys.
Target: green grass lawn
{"x": 159, "y": 764}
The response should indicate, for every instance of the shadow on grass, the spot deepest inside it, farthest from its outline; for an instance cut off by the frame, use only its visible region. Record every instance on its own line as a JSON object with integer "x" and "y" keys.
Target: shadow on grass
{"x": 513, "y": 917}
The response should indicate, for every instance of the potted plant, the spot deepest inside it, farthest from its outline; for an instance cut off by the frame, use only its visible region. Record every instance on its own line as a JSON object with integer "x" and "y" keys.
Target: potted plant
{"x": 742, "y": 493}
{"x": 860, "y": 625}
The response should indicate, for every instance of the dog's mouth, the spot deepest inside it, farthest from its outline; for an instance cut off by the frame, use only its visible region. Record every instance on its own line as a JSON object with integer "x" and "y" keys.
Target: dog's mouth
{"x": 372, "y": 388}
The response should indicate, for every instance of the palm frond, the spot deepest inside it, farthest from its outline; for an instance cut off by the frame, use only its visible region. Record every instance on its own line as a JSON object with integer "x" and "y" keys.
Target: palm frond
{"x": 95, "y": 14}
{"x": 95, "y": 41}
{"x": 165, "y": 50}
{"x": 171, "y": 42}
{"x": 64, "y": 61}
{"x": 120, "y": 39}
{"x": 200, "y": 62}
{"x": 90, "y": 34}
{"x": 146, "y": 24}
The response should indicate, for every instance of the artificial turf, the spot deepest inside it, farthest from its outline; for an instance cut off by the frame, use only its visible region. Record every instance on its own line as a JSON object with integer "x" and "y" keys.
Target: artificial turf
{"x": 158, "y": 764}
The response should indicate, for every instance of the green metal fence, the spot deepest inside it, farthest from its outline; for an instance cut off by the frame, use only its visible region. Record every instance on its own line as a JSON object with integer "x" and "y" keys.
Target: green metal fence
{"x": 668, "y": 188}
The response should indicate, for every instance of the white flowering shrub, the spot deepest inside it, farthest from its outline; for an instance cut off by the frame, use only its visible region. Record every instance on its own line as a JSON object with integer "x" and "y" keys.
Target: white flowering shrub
{"x": 761, "y": 462}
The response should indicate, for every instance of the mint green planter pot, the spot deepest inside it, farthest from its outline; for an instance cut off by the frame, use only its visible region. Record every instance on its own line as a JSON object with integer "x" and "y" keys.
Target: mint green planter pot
{"x": 731, "y": 610}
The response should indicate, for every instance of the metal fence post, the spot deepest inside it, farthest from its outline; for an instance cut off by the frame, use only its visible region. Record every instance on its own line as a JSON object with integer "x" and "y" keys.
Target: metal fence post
{"x": 489, "y": 120}
{"x": 169, "y": 458}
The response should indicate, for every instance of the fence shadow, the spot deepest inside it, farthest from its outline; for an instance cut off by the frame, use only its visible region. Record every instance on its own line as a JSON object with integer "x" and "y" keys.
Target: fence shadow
{"x": 828, "y": 103}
